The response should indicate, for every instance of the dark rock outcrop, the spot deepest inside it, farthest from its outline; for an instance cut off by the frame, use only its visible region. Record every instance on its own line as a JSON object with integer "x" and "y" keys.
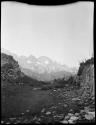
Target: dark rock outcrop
{"x": 86, "y": 77}
{"x": 10, "y": 70}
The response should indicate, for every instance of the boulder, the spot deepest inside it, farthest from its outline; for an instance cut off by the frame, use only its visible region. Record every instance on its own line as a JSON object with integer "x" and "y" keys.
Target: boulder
{"x": 89, "y": 116}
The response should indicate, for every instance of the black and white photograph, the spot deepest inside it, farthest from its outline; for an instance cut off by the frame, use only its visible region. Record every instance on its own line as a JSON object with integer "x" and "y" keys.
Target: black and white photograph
{"x": 47, "y": 63}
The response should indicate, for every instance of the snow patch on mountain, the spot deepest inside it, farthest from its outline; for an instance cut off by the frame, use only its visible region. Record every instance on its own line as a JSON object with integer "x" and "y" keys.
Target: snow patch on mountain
{"x": 28, "y": 61}
{"x": 46, "y": 62}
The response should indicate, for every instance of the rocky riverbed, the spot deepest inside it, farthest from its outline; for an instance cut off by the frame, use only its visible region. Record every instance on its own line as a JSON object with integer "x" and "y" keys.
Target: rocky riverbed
{"x": 67, "y": 107}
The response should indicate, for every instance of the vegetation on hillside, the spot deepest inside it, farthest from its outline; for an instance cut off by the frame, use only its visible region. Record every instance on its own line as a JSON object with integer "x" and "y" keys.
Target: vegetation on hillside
{"x": 83, "y": 64}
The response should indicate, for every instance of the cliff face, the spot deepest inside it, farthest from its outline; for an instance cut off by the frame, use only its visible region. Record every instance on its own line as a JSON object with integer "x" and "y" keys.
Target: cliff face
{"x": 10, "y": 70}
{"x": 86, "y": 76}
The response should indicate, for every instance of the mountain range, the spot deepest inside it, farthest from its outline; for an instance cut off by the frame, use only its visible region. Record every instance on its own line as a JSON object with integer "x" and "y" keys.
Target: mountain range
{"x": 42, "y": 68}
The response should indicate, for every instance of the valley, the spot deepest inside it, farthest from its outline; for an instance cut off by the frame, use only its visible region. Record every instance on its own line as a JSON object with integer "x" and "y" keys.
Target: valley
{"x": 47, "y": 62}
{"x": 27, "y": 100}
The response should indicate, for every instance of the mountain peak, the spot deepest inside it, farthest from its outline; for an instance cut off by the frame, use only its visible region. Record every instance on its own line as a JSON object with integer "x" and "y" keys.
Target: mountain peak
{"x": 41, "y": 66}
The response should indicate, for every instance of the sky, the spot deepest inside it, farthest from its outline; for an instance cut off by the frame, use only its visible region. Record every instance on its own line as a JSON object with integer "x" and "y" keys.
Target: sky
{"x": 63, "y": 33}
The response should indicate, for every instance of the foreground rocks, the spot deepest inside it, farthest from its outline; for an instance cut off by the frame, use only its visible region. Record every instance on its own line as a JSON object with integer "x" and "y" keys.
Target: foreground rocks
{"x": 68, "y": 108}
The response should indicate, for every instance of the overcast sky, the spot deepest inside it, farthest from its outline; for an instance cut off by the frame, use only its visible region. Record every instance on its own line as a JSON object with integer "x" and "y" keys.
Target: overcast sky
{"x": 63, "y": 33}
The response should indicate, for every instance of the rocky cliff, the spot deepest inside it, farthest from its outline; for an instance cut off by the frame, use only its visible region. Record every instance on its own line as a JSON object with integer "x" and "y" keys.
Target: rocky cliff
{"x": 86, "y": 77}
{"x": 10, "y": 70}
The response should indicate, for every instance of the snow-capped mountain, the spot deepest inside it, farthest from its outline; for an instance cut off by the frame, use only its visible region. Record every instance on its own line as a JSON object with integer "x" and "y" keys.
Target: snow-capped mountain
{"x": 42, "y": 64}
{"x": 42, "y": 68}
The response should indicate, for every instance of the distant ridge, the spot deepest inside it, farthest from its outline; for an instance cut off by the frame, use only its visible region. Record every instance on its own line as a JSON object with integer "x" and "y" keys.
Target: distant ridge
{"x": 42, "y": 68}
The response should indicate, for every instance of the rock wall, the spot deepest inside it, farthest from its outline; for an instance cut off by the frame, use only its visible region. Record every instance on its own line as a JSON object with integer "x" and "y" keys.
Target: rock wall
{"x": 86, "y": 77}
{"x": 10, "y": 70}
